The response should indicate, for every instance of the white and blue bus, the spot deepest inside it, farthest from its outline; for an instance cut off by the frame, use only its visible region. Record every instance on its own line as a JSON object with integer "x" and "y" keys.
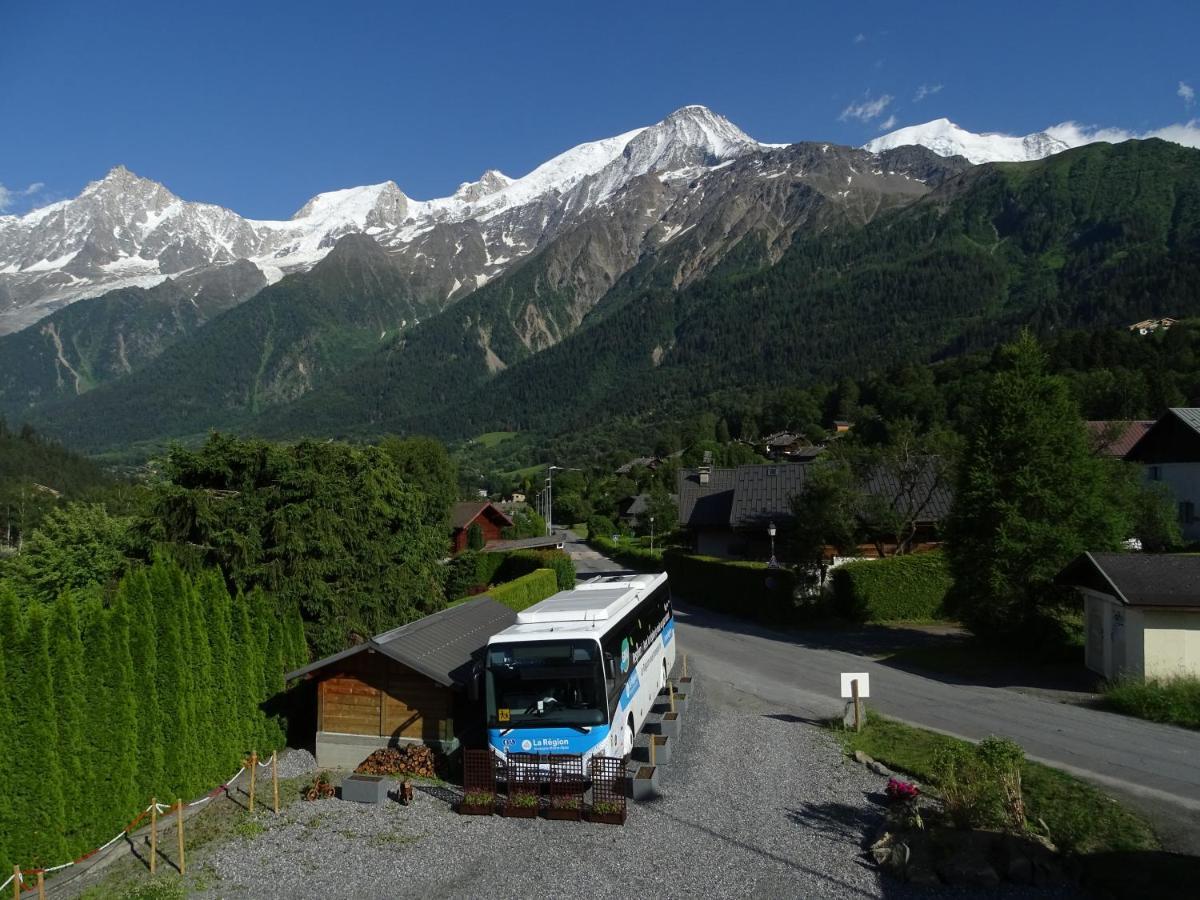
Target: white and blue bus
{"x": 580, "y": 670}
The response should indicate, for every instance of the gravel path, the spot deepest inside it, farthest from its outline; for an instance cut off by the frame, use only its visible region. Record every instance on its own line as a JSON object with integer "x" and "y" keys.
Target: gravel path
{"x": 756, "y": 804}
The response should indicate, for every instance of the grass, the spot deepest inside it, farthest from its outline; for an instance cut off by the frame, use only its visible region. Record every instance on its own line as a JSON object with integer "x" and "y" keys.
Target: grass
{"x": 1175, "y": 701}
{"x": 492, "y": 439}
{"x": 1079, "y": 817}
{"x": 581, "y": 530}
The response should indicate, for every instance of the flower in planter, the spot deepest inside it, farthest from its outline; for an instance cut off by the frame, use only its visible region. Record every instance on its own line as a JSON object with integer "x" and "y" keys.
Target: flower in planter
{"x": 606, "y": 808}
{"x": 565, "y": 802}
{"x": 899, "y": 791}
{"x": 477, "y": 798}
{"x": 523, "y": 799}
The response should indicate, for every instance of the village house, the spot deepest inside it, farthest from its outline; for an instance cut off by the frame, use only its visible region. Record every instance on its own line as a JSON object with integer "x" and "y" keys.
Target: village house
{"x": 490, "y": 518}
{"x": 1170, "y": 452}
{"x": 409, "y": 685}
{"x": 727, "y": 511}
{"x": 1141, "y": 612}
{"x": 1116, "y": 438}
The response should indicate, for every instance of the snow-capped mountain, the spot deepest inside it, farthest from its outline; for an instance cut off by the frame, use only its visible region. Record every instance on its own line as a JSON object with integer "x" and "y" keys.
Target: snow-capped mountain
{"x": 127, "y": 231}
{"x": 945, "y": 138}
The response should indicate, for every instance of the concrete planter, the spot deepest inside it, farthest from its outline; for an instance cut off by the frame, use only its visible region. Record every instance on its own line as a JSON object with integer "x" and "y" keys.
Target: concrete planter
{"x": 644, "y": 783}
{"x": 681, "y": 703}
{"x": 364, "y": 788}
{"x": 668, "y": 726}
{"x": 663, "y": 746}
{"x": 684, "y": 685}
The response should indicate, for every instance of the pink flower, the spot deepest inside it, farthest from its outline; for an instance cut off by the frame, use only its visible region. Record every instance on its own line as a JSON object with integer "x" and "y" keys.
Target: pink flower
{"x": 900, "y": 791}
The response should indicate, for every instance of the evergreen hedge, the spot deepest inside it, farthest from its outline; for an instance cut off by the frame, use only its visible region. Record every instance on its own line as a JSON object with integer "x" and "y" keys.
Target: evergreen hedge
{"x": 746, "y": 589}
{"x": 526, "y": 590}
{"x": 637, "y": 558}
{"x": 472, "y": 573}
{"x": 900, "y": 588}
{"x": 157, "y": 693}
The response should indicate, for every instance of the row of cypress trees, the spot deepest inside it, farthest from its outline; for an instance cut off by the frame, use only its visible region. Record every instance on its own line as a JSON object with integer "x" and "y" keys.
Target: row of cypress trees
{"x": 156, "y": 691}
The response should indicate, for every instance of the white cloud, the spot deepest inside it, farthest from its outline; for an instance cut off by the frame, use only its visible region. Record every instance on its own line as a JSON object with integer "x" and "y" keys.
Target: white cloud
{"x": 8, "y": 196}
{"x": 926, "y": 90}
{"x": 859, "y": 38}
{"x": 869, "y": 109}
{"x": 888, "y": 124}
{"x": 1074, "y": 134}
{"x": 1187, "y": 92}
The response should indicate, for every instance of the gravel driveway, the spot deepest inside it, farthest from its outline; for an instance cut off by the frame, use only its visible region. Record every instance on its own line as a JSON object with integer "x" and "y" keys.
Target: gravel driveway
{"x": 756, "y": 804}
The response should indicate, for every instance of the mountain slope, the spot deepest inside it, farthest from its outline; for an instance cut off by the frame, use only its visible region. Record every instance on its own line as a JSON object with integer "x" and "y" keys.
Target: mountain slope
{"x": 107, "y": 337}
{"x": 1100, "y": 236}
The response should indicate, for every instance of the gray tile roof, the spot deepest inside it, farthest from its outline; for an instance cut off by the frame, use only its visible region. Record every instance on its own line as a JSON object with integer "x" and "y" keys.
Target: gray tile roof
{"x": 705, "y": 505}
{"x": 753, "y": 495}
{"x": 1138, "y": 579}
{"x": 440, "y": 646}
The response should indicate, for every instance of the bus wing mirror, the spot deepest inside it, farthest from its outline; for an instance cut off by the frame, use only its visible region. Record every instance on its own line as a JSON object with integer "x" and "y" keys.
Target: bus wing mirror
{"x": 610, "y": 665}
{"x": 473, "y": 686}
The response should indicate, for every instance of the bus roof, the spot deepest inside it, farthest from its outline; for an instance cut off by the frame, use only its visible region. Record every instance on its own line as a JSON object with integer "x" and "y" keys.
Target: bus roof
{"x": 589, "y": 608}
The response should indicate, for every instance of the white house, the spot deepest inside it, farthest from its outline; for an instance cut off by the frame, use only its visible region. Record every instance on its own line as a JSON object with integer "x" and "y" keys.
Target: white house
{"x": 1141, "y": 612}
{"x": 1170, "y": 452}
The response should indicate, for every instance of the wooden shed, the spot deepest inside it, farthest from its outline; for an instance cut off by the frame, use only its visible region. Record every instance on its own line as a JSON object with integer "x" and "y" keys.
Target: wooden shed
{"x": 408, "y": 685}
{"x": 490, "y": 518}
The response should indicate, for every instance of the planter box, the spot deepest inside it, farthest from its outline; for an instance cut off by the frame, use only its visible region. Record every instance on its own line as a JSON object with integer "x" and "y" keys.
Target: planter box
{"x": 668, "y": 726}
{"x": 681, "y": 703}
{"x": 364, "y": 788}
{"x": 565, "y": 813}
{"x": 644, "y": 784}
{"x": 662, "y": 748}
{"x": 685, "y": 684}
{"x": 481, "y": 809}
{"x": 512, "y": 811}
{"x": 606, "y": 818}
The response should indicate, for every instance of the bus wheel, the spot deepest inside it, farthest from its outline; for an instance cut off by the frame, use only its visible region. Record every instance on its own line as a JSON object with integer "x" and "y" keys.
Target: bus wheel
{"x": 663, "y": 686}
{"x": 627, "y": 742}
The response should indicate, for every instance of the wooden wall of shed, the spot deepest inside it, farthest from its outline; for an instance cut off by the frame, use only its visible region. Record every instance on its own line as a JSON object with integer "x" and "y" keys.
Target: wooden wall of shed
{"x": 372, "y": 694}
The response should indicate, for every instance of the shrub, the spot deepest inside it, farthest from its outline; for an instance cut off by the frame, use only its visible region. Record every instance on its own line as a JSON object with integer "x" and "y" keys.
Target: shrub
{"x": 526, "y": 590}
{"x": 601, "y": 525}
{"x": 638, "y": 558}
{"x": 911, "y": 587}
{"x": 475, "y": 539}
{"x": 1175, "y": 701}
{"x": 748, "y": 589}
{"x": 981, "y": 784}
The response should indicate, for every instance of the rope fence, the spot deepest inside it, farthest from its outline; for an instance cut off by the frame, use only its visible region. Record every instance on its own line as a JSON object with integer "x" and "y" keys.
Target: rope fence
{"x": 18, "y": 874}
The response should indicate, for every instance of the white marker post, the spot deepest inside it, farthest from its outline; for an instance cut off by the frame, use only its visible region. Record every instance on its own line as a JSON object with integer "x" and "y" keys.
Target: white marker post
{"x": 855, "y": 687}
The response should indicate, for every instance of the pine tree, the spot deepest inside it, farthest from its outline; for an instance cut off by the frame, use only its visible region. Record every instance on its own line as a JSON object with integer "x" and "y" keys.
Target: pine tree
{"x": 67, "y": 662}
{"x": 8, "y": 819}
{"x": 143, "y": 650}
{"x": 210, "y": 768}
{"x": 36, "y": 774}
{"x": 248, "y": 671}
{"x": 273, "y": 671}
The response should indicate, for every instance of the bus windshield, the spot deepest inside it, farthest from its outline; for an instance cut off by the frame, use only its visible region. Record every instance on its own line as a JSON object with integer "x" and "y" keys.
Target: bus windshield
{"x": 545, "y": 684}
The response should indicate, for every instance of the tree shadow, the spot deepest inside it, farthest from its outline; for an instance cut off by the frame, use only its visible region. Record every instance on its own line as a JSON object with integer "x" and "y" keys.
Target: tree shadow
{"x": 838, "y": 822}
{"x": 1132, "y": 875}
{"x": 438, "y": 792}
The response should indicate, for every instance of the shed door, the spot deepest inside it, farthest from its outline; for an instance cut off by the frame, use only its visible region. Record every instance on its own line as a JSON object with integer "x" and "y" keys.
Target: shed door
{"x": 1118, "y": 643}
{"x": 1095, "y": 641}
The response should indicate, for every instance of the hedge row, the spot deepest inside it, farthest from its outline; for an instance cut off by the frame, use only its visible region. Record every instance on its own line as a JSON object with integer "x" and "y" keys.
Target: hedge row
{"x": 900, "y": 588}
{"x": 526, "y": 590}
{"x": 747, "y": 589}
{"x": 472, "y": 573}
{"x": 638, "y": 558}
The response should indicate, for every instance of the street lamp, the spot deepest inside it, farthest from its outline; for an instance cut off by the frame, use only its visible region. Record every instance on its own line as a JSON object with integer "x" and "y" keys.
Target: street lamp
{"x": 771, "y": 533}
{"x": 652, "y": 534}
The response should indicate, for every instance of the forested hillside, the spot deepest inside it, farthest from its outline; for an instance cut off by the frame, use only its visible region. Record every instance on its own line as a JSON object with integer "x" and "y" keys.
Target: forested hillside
{"x": 1095, "y": 237}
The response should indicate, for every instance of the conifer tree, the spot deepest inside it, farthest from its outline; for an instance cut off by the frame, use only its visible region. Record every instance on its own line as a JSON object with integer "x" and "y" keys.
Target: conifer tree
{"x": 143, "y": 650}
{"x": 248, "y": 671}
{"x": 67, "y": 663}
{"x": 173, "y": 682}
{"x": 228, "y": 724}
{"x": 36, "y": 774}
{"x": 199, "y": 651}
{"x": 7, "y": 742}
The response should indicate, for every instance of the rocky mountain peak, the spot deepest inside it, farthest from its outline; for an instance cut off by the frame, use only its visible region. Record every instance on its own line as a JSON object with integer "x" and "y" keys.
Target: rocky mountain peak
{"x": 489, "y": 182}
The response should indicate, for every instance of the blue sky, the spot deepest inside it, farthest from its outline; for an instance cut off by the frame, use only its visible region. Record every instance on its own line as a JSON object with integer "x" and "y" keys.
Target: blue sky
{"x": 258, "y": 105}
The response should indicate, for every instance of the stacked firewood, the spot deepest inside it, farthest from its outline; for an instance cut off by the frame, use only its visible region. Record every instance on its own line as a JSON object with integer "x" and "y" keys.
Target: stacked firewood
{"x": 408, "y": 760}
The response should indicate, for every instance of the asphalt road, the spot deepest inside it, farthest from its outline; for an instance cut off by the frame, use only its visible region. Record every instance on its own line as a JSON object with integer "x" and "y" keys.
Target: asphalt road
{"x": 1155, "y": 768}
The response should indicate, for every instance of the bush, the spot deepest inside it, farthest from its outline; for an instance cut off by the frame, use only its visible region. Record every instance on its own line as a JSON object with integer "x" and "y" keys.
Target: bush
{"x": 475, "y": 539}
{"x": 1175, "y": 701}
{"x": 526, "y": 590}
{"x": 638, "y": 558}
{"x": 981, "y": 783}
{"x": 747, "y": 589}
{"x": 472, "y": 573}
{"x": 910, "y": 588}
{"x": 601, "y": 526}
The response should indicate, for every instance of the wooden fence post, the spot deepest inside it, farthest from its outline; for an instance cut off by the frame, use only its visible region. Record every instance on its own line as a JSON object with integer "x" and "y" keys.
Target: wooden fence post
{"x": 153, "y": 834}
{"x": 275, "y": 778}
{"x": 685, "y": 665}
{"x": 16, "y": 883}
{"x": 253, "y": 770}
{"x": 41, "y": 885}
{"x": 182, "y": 861}
{"x": 857, "y": 705}
{"x": 671, "y": 689}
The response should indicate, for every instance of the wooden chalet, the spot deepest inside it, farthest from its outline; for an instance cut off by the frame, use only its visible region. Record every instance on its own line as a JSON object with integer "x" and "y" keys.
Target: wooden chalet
{"x": 488, "y": 516}
{"x": 408, "y": 685}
